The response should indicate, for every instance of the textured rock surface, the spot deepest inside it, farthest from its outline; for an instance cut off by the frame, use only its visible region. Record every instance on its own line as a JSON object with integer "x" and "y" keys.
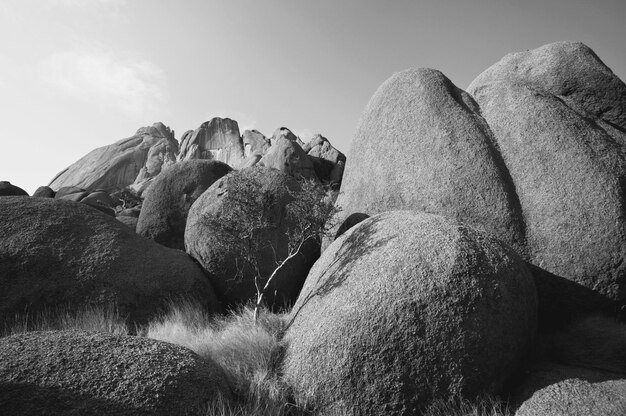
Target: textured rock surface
{"x": 130, "y": 222}
{"x": 56, "y": 252}
{"x": 421, "y": 144}
{"x": 217, "y": 139}
{"x": 287, "y": 156}
{"x": 164, "y": 211}
{"x": 72, "y": 373}
{"x": 558, "y": 115}
{"x": 71, "y": 193}
{"x": 556, "y": 390}
{"x": 232, "y": 203}
{"x": 118, "y": 165}
{"x": 328, "y": 162}
{"x": 254, "y": 142}
{"x": 7, "y": 189}
{"x": 406, "y": 307}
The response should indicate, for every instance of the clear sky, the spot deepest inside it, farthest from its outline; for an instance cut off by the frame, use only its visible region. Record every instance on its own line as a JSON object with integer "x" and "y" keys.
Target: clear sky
{"x": 80, "y": 74}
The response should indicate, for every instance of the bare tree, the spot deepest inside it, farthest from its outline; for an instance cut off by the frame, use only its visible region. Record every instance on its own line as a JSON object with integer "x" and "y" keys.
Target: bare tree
{"x": 252, "y": 218}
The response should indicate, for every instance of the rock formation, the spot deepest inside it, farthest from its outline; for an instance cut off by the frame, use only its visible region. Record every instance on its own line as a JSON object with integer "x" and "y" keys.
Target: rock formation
{"x": 247, "y": 208}
{"x": 118, "y": 165}
{"x": 422, "y": 144}
{"x": 558, "y": 116}
{"x": 164, "y": 212}
{"x": 328, "y": 162}
{"x": 58, "y": 253}
{"x": 287, "y": 156}
{"x": 216, "y": 139}
{"x": 407, "y": 307}
{"x": 72, "y": 373}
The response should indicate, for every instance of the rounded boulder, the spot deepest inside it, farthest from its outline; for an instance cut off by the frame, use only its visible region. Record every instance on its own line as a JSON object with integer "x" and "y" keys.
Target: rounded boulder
{"x": 62, "y": 253}
{"x": 405, "y": 308}
{"x": 75, "y": 372}
{"x": 241, "y": 217}
{"x": 167, "y": 202}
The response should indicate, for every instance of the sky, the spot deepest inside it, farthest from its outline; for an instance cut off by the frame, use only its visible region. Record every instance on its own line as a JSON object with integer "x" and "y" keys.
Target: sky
{"x": 79, "y": 74}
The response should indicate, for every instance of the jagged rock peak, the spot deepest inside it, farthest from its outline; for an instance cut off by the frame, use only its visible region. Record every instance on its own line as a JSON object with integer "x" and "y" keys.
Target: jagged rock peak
{"x": 218, "y": 139}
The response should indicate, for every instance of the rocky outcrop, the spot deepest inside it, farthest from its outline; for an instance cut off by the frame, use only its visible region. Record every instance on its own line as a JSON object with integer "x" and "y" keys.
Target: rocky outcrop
{"x": 118, "y": 165}
{"x": 164, "y": 211}
{"x": 328, "y": 162}
{"x": 421, "y": 144}
{"x": 244, "y": 216}
{"x": 254, "y": 143}
{"x": 217, "y": 139}
{"x": 405, "y": 308}
{"x": 59, "y": 253}
{"x": 287, "y": 156}
{"x": 558, "y": 117}
{"x": 71, "y": 373}
{"x": 7, "y": 189}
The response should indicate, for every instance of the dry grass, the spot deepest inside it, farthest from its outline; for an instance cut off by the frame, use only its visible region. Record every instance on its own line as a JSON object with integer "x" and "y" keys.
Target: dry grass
{"x": 89, "y": 318}
{"x": 250, "y": 354}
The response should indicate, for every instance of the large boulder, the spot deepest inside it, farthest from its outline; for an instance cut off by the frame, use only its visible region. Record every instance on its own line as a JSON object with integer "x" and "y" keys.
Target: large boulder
{"x": 164, "y": 211}
{"x": 7, "y": 189}
{"x": 405, "y": 308}
{"x": 80, "y": 373}
{"x": 328, "y": 162}
{"x": 245, "y": 215}
{"x": 287, "y": 156}
{"x": 118, "y": 165}
{"x": 558, "y": 115}
{"x": 421, "y": 144}
{"x": 61, "y": 253}
{"x": 71, "y": 193}
{"x": 217, "y": 139}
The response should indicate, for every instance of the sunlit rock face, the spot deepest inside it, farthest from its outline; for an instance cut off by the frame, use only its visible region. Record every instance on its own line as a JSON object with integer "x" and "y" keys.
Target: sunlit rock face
{"x": 217, "y": 139}
{"x": 137, "y": 158}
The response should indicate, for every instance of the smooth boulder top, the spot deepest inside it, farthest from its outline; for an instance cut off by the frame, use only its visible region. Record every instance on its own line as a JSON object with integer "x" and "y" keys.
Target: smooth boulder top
{"x": 7, "y": 189}
{"x": 405, "y": 308}
{"x": 44, "y": 192}
{"x": 164, "y": 211}
{"x": 57, "y": 253}
{"x": 569, "y": 70}
{"x": 558, "y": 116}
{"x": 421, "y": 144}
{"x": 75, "y": 372}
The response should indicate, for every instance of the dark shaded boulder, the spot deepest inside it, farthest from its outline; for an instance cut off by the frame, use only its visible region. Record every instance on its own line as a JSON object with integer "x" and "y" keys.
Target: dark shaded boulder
{"x": 118, "y": 165}
{"x": 558, "y": 116}
{"x": 216, "y": 139}
{"x": 72, "y": 373}
{"x": 71, "y": 193}
{"x": 44, "y": 192}
{"x": 421, "y": 144}
{"x": 405, "y": 308}
{"x": 287, "y": 156}
{"x": 164, "y": 211}
{"x": 352, "y": 220}
{"x": 101, "y": 201}
{"x": 7, "y": 189}
{"x": 244, "y": 215}
{"x": 328, "y": 162}
{"x": 57, "y": 253}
